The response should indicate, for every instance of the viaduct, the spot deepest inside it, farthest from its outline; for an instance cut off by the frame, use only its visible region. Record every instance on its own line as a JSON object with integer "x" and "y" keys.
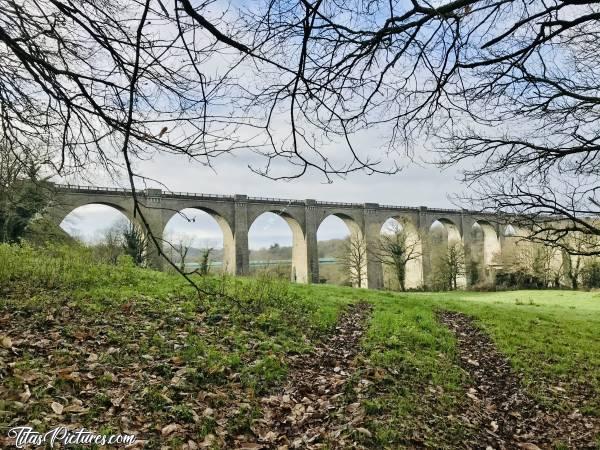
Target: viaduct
{"x": 483, "y": 235}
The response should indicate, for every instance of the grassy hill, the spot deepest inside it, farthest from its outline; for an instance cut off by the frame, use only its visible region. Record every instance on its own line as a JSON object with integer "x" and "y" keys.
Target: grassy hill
{"x": 123, "y": 349}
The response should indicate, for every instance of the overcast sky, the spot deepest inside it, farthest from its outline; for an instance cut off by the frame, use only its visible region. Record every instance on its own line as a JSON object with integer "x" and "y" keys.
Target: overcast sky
{"x": 415, "y": 185}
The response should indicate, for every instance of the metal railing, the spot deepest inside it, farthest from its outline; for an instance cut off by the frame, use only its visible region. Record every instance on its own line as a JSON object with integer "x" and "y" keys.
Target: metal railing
{"x": 326, "y": 203}
{"x": 277, "y": 200}
{"x": 177, "y": 194}
{"x": 195, "y": 195}
{"x": 447, "y": 210}
{"x": 410, "y": 208}
{"x": 74, "y": 187}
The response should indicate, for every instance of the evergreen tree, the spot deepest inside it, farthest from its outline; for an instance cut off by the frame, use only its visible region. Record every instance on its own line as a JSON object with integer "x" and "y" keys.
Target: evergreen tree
{"x": 23, "y": 194}
{"x": 134, "y": 244}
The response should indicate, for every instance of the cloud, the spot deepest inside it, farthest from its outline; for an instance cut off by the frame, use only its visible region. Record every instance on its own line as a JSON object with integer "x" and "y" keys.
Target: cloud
{"x": 414, "y": 186}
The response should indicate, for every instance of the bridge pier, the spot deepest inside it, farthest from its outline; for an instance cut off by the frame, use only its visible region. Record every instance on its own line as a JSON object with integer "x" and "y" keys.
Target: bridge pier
{"x": 466, "y": 231}
{"x": 310, "y": 232}
{"x": 240, "y": 236}
{"x": 154, "y": 214}
{"x": 372, "y": 233}
{"x": 423, "y": 231}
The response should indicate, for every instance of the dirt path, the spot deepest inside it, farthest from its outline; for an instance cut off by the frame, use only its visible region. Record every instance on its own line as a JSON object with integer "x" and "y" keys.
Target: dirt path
{"x": 502, "y": 414}
{"x": 310, "y": 410}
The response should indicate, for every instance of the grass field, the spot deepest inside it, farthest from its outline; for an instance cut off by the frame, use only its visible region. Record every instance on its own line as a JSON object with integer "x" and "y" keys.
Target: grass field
{"x": 551, "y": 337}
{"x": 121, "y": 348}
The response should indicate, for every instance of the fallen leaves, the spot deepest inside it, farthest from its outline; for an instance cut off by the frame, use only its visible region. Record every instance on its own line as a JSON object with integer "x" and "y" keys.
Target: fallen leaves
{"x": 169, "y": 429}
{"x": 6, "y": 341}
{"x": 311, "y": 412}
{"x": 364, "y": 431}
{"x": 25, "y": 395}
{"x": 500, "y": 412}
{"x": 528, "y": 446}
{"x": 57, "y": 408}
{"x": 143, "y": 373}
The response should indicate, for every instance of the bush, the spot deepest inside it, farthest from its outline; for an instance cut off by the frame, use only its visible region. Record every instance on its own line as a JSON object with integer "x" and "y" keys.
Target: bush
{"x": 517, "y": 279}
{"x": 484, "y": 286}
{"x": 590, "y": 275}
{"x": 60, "y": 266}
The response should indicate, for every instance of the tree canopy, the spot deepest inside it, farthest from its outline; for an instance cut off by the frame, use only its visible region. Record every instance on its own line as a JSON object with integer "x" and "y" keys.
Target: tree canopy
{"x": 506, "y": 89}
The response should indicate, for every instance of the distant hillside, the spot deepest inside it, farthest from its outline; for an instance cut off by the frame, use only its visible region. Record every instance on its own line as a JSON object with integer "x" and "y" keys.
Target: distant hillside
{"x": 327, "y": 249}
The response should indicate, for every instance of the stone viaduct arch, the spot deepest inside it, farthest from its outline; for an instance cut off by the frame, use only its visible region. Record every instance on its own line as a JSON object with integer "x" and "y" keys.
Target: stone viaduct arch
{"x": 354, "y": 222}
{"x": 220, "y": 215}
{"x": 484, "y": 250}
{"x": 58, "y": 213}
{"x": 236, "y": 213}
{"x": 294, "y": 217}
{"x": 414, "y": 267}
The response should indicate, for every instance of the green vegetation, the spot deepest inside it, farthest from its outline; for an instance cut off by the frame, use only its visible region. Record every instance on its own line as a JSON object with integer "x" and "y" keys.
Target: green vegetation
{"x": 100, "y": 338}
{"x": 94, "y": 337}
{"x": 551, "y": 337}
{"x": 24, "y": 193}
{"x": 20, "y": 200}
{"x": 591, "y": 273}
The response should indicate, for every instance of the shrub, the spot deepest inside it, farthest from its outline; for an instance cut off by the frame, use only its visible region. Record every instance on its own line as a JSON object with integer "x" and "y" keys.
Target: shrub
{"x": 591, "y": 274}
{"x": 60, "y": 266}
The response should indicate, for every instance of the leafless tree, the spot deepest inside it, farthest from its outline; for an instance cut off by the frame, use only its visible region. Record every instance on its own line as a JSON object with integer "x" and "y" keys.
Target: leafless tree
{"x": 573, "y": 266}
{"x": 98, "y": 85}
{"x": 510, "y": 86}
{"x": 177, "y": 246}
{"x": 395, "y": 249}
{"x": 574, "y": 261}
{"x": 353, "y": 259}
{"x": 534, "y": 264}
{"x": 110, "y": 246}
{"x": 182, "y": 248}
{"x": 449, "y": 266}
{"x": 505, "y": 88}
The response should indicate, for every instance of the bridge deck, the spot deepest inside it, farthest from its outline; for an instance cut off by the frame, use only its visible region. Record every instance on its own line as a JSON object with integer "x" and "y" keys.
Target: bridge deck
{"x": 229, "y": 198}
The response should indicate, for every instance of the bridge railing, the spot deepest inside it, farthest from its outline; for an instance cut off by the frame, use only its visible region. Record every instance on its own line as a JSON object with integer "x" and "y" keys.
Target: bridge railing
{"x": 277, "y": 200}
{"x": 446, "y": 210}
{"x": 82, "y": 188}
{"x": 196, "y": 195}
{"x": 410, "y": 208}
{"x": 77, "y": 187}
{"x": 325, "y": 203}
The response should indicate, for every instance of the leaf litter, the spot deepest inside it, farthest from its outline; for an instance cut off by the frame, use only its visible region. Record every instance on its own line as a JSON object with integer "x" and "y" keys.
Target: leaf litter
{"x": 310, "y": 412}
{"x": 180, "y": 376}
{"x": 499, "y": 411}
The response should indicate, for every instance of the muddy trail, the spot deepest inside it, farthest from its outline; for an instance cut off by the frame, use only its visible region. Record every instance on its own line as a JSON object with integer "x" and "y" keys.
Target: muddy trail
{"x": 310, "y": 411}
{"x": 499, "y": 411}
